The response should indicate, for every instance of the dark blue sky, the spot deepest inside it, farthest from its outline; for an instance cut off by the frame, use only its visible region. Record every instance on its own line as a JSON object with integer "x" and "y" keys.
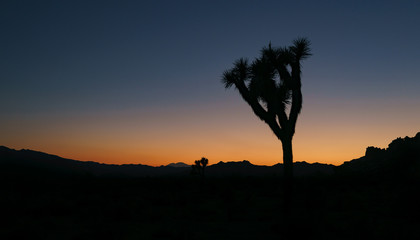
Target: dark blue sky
{"x": 70, "y": 58}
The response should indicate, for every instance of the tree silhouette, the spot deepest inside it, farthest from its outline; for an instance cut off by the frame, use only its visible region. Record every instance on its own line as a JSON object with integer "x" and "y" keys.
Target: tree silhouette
{"x": 196, "y": 168}
{"x": 199, "y": 166}
{"x": 271, "y": 85}
{"x": 204, "y": 161}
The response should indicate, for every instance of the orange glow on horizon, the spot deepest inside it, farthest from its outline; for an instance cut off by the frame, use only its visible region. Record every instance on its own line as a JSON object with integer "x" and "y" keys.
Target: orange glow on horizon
{"x": 147, "y": 137}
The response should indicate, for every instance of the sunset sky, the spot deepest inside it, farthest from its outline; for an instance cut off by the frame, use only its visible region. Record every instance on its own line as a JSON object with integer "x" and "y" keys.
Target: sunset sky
{"x": 139, "y": 81}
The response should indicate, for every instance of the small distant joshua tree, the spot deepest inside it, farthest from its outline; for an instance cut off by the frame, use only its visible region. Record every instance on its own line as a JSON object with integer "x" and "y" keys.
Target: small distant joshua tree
{"x": 199, "y": 166}
{"x": 204, "y": 161}
{"x": 196, "y": 168}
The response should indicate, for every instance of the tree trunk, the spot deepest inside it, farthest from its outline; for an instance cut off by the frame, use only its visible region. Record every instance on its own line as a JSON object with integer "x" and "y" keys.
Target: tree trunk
{"x": 288, "y": 177}
{"x": 287, "y": 159}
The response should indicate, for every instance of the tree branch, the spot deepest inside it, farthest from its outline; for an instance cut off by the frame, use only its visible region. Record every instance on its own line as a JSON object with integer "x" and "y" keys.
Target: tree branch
{"x": 258, "y": 109}
{"x": 296, "y": 98}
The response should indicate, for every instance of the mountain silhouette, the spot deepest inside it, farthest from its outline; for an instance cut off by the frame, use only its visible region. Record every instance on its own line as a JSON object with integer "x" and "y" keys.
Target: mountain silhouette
{"x": 401, "y": 158}
{"x": 24, "y": 161}
{"x": 18, "y": 162}
{"x": 178, "y": 165}
{"x": 245, "y": 168}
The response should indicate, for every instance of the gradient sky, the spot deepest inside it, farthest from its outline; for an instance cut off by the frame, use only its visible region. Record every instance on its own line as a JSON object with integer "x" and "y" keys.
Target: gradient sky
{"x": 139, "y": 81}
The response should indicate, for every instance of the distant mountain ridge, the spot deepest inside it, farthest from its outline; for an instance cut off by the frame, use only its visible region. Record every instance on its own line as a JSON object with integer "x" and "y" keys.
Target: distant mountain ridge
{"x": 16, "y": 160}
{"x": 245, "y": 168}
{"x": 401, "y": 157}
{"x": 178, "y": 165}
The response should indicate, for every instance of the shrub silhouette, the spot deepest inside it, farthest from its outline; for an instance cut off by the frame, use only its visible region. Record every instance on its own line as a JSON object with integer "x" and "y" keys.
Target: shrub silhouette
{"x": 271, "y": 85}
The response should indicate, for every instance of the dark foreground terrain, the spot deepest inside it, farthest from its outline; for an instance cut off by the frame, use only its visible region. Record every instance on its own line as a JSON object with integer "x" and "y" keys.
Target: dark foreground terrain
{"x": 373, "y": 197}
{"x": 329, "y": 207}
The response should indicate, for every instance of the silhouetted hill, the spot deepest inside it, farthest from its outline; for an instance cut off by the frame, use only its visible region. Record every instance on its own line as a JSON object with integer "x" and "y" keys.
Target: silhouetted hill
{"x": 401, "y": 158}
{"x": 24, "y": 161}
{"x": 245, "y": 168}
{"x": 33, "y": 162}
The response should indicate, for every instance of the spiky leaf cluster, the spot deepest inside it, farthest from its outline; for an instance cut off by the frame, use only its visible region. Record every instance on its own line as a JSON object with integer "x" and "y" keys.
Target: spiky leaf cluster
{"x": 272, "y": 82}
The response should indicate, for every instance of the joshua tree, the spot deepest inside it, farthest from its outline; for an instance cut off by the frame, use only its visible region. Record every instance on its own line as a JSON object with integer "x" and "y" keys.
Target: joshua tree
{"x": 197, "y": 163}
{"x": 199, "y": 166}
{"x": 196, "y": 168}
{"x": 271, "y": 85}
{"x": 204, "y": 161}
